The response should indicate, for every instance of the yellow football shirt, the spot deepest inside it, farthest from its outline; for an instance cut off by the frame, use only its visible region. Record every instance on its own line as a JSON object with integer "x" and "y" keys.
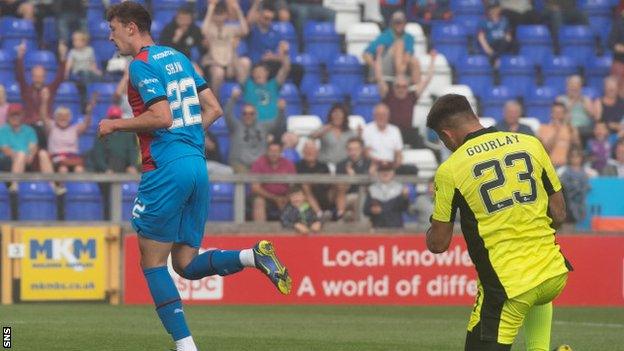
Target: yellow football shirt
{"x": 500, "y": 182}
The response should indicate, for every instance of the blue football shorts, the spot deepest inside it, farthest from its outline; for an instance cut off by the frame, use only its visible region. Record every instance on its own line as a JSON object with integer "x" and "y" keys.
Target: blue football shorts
{"x": 172, "y": 202}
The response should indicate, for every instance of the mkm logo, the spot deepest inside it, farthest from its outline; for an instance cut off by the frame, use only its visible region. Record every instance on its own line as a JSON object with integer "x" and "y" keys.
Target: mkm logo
{"x": 71, "y": 250}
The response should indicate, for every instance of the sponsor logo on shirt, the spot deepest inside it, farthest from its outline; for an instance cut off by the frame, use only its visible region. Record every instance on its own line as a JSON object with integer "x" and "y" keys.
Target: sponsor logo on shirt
{"x": 163, "y": 54}
{"x": 147, "y": 81}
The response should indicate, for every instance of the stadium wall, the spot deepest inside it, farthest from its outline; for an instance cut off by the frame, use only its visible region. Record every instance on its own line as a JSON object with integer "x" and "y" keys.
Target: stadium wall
{"x": 375, "y": 269}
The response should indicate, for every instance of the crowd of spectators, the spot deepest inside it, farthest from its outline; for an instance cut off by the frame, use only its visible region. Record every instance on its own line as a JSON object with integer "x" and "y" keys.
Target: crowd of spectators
{"x": 583, "y": 137}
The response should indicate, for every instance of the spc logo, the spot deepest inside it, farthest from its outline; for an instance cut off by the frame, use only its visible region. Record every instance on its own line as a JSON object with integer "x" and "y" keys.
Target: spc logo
{"x": 68, "y": 249}
{"x": 209, "y": 288}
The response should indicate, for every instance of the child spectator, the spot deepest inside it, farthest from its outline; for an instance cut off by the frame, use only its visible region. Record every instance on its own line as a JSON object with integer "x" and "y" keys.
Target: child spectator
{"x": 386, "y": 200}
{"x": 494, "y": 33}
{"x": 575, "y": 181}
{"x": 117, "y": 153}
{"x": 615, "y": 166}
{"x": 599, "y": 147}
{"x": 63, "y": 135}
{"x": 298, "y": 214}
{"x": 222, "y": 60}
{"x": 81, "y": 61}
{"x": 4, "y": 106}
{"x": 334, "y": 135}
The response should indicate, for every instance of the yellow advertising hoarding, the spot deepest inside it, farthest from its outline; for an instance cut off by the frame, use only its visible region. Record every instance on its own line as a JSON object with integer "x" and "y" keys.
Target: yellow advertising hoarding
{"x": 63, "y": 263}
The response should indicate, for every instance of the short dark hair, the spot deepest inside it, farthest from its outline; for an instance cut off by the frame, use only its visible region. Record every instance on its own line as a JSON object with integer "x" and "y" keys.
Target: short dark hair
{"x": 445, "y": 107}
{"x": 221, "y": 8}
{"x": 295, "y": 188}
{"x": 186, "y": 9}
{"x": 274, "y": 142}
{"x": 356, "y": 140}
{"x": 129, "y": 11}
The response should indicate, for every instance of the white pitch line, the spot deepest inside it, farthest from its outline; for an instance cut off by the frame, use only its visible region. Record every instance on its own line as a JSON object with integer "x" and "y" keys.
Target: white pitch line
{"x": 591, "y": 324}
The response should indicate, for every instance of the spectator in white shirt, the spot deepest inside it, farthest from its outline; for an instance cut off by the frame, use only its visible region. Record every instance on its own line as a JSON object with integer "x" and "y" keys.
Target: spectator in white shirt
{"x": 383, "y": 140}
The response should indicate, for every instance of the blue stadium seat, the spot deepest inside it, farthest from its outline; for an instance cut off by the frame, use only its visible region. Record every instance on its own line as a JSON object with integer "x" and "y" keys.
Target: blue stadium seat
{"x": 476, "y": 72}
{"x": 450, "y": 39}
{"x": 494, "y": 100}
{"x": 67, "y": 92}
{"x": 16, "y": 28}
{"x": 7, "y": 78}
{"x": 556, "y": 70}
{"x": 156, "y": 29}
{"x": 164, "y": 16}
{"x": 287, "y": 32}
{"x": 290, "y": 93}
{"x": 50, "y": 34}
{"x": 291, "y": 155}
{"x": 539, "y": 102}
{"x": 596, "y": 70}
{"x": 222, "y": 202}
{"x": 83, "y": 202}
{"x": 224, "y": 146}
{"x": 242, "y": 49}
{"x": 105, "y": 90}
{"x": 577, "y": 42}
{"x": 467, "y": 7}
{"x": 322, "y": 98}
{"x": 104, "y": 50}
{"x": 535, "y": 42}
{"x": 7, "y": 67}
{"x": 311, "y": 72}
{"x": 346, "y": 73}
{"x": 600, "y": 16}
{"x": 85, "y": 141}
{"x": 95, "y": 14}
{"x": 168, "y": 4}
{"x": 5, "y": 209}
{"x": 99, "y": 29}
{"x": 517, "y": 73}
{"x": 322, "y": 41}
{"x": 365, "y": 100}
{"x": 13, "y": 92}
{"x": 37, "y": 201}
{"x": 590, "y": 92}
{"x": 45, "y": 58}
{"x": 128, "y": 194}
{"x": 219, "y": 127}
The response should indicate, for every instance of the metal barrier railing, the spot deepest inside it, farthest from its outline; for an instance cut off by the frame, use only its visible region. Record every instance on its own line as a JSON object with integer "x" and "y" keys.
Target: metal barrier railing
{"x": 239, "y": 181}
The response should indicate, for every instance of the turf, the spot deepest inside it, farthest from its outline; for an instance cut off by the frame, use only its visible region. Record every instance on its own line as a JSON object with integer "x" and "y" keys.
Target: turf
{"x": 102, "y": 327}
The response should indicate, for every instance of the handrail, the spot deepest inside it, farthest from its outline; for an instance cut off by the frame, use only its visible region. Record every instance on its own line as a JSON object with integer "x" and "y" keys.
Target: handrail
{"x": 240, "y": 180}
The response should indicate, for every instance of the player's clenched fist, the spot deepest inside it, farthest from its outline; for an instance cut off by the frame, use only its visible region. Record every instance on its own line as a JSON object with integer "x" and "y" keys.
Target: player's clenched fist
{"x": 106, "y": 127}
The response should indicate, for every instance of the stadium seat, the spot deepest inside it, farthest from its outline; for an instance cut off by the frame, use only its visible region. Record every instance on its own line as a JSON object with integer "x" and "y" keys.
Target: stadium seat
{"x": 105, "y": 90}
{"x": 303, "y": 125}
{"x": 83, "y": 202}
{"x": 85, "y": 141}
{"x": 358, "y": 37}
{"x": 37, "y": 202}
{"x": 287, "y": 32}
{"x": 67, "y": 93}
{"x": 596, "y": 70}
{"x": 98, "y": 30}
{"x": 311, "y": 72}
{"x": 291, "y": 155}
{"x": 420, "y": 40}
{"x": 221, "y": 202}
{"x": 487, "y": 121}
{"x": 451, "y": 40}
{"x": 156, "y": 29}
{"x": 364, "y": 100}
{"x": 539, "y": 102}
{"x": 577, "y": 42}
{"x": 461, "y": 89}
{"x": 128, "y": 194}
{"x": 45, "y": 58}
{"x": 590, "y": 92}
{"x": 5, "y": 208}
{"x": 168, "y": 4}
{"x": 104, "y": 50}
{"x": 442, "y": 74}
{"x": 322, "y": 41}
{"x": 600, "y": 16}
{"x": 532, "y": 122}
{"x": 535, "y": 42}
{"x": 476, "y": 72}
{"x": 494, "y": 100}
{"x": 13, "y": 92}
{"x": 322, "y": 99}
{"x": 423, "y": 159}
{"x": 16, "y": 28}
{"x": 226, "y": 91}
{"x": 50, "y": 34}
{"x": 290, "y": 93}
{"x": 517, "y": 73}
{"x": 347, "y": 15}
{"x": 346, "y": 73}
{"x": 467, "y": 7}
{"x": 556, "y": 70}
{"x": 219, "y": 127}
{"x": 164, "y": 16}
{"x": 356, "y": 122}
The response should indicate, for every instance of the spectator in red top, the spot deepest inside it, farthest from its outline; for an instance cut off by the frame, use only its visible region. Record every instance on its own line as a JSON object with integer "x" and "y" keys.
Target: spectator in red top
{"x": 269, "y": 199}
{"x": 401, "y": 100}
{"x": 31, "y": 93}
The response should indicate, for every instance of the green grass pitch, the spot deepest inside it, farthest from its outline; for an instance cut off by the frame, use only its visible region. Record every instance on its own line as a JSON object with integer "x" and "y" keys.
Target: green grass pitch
{"x": 102, "y": 327}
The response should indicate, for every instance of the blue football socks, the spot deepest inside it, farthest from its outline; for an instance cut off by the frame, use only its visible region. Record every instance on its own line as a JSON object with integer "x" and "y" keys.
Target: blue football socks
{"x": 213, "y": 262}
{"x": 167, "y": 301}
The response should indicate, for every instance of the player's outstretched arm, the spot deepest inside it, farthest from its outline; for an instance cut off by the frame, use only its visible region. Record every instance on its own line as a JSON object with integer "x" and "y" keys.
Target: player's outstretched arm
{"x": 157, "y": 116}
{"x": 557, "y": 208}
{"x": 211, "y": 109}
{"x": 439, "y": 236}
